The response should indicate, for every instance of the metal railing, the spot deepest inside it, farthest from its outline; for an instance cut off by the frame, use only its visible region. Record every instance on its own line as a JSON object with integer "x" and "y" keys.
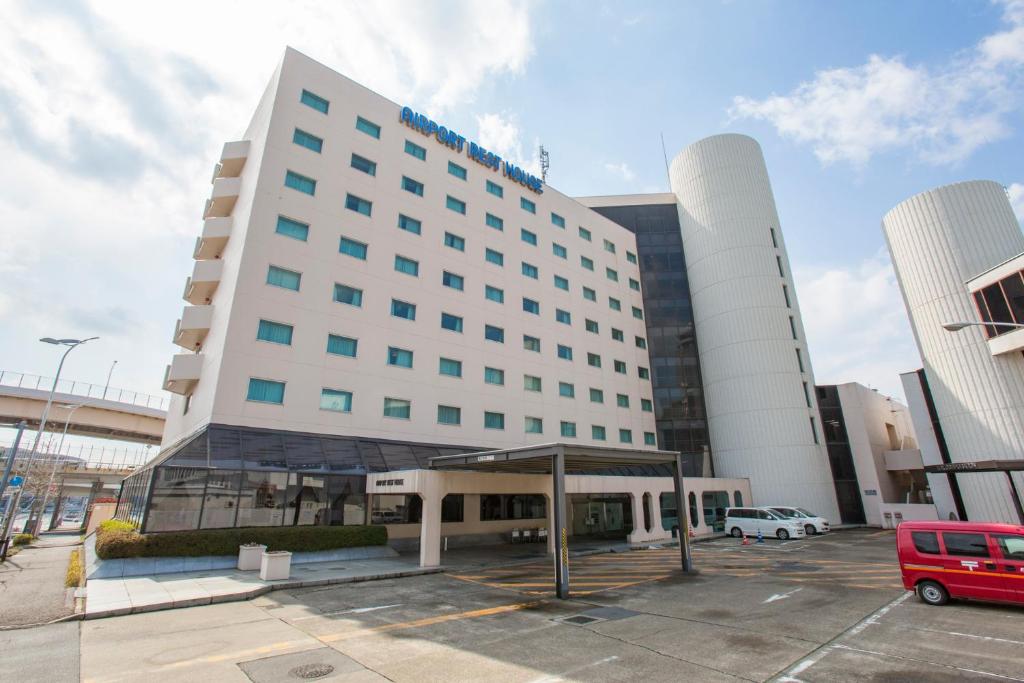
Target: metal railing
{"x": 83, "y": 389}
{"x": 87, "y": 457}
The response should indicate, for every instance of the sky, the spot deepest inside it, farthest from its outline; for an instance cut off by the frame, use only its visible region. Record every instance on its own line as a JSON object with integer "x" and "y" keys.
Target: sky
{"x": 112, "y": 114}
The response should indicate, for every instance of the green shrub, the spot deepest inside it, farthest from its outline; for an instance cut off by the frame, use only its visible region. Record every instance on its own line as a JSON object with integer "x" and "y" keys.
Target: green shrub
{"x": 118, "y": 542}
{"x": 22, "y": 539}
{"x": 73, "y": 577}
{"x": 116, "y": 525}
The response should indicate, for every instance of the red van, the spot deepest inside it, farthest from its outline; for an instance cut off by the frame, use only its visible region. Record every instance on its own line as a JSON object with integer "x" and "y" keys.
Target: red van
{"x": 977, "y": 561}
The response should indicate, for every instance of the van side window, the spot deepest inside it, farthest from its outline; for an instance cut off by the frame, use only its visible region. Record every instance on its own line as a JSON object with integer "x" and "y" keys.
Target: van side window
{"x": 1012, "y": 547}
{"x": 972, "y": 545}
{"x": 761, "y": 514}
{"x": 926, "y": 542}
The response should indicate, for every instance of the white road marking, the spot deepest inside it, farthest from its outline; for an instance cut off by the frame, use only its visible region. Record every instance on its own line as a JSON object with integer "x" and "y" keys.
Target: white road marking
{"x": 970, "y": 635}
{"x": 938, "y": 664}
{"x": 873, "y": 618}
{"x": 570, "y": 672}
{"x": 781, "y": 596}
{"x": 354, "y": 610}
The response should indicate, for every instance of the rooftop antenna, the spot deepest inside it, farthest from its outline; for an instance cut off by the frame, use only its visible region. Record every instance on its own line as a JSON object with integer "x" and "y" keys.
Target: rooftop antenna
{"x": 545, "y": 163}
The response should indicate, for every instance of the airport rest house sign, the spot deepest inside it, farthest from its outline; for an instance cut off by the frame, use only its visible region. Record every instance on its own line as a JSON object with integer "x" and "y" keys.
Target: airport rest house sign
{"x": 453, "y": 140}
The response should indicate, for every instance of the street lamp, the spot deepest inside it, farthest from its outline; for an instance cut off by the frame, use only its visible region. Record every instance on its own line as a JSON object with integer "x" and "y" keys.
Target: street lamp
{"x": 957, "y": 326}
{"x": 71, "y": 408}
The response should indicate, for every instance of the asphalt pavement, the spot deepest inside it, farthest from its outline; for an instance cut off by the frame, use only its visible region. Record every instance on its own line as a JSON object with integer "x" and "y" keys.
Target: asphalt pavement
{"x": 32, "y": 582}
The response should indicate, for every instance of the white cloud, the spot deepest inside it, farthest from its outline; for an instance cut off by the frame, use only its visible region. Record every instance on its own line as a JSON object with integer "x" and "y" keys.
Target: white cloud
{"x": 1016, "y": 193}
{"x": 621, "y": 170}
{"x": 501, "y": 134}
{"x": 856, "y": 324}
{"x": 939, "y": 114}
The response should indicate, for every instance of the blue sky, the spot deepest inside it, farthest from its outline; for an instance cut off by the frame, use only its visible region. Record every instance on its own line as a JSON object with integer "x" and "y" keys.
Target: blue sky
{"x": 112, "y": 113}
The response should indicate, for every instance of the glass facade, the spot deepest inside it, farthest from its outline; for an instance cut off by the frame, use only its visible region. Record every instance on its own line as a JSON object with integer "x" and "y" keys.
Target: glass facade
{"x": 840, "y": 456}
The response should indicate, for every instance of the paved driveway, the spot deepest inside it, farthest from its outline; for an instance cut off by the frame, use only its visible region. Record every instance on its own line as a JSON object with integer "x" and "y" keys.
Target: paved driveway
{"x": 32, "y": 583}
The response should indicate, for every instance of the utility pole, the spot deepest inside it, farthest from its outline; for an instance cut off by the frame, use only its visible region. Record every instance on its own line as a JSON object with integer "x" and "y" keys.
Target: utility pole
{"x": 13, "y": 453}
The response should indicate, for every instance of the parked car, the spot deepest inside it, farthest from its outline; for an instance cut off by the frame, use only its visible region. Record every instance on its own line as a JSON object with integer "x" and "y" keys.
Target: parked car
{"x": 741, "y": 522}
{"x": 975, "y": 561}
{"x": 813, "y": 524}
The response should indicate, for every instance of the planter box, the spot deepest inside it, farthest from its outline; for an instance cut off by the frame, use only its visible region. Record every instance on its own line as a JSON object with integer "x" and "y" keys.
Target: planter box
{"x": 249, "y": 557}
{"x": 276, "y": 565}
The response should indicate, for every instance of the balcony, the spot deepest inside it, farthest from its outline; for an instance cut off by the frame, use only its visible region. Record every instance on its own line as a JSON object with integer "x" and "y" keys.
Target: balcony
{"x": 1007, "y": 342}
{"x": 205, "y": 278}
{"x": 191, "y": 329}
{"x": 210, "y": 244}
{"x": 903, "y": 460}
{"x": 232, "y": 159}
{"x": 182, "y": 374}
{"x": 222, "y": 199}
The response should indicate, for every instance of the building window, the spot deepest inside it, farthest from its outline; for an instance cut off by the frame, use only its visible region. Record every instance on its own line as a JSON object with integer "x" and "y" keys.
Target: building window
{"x": 567, "y": 390}
{"x": 452, "y": 280}
{"x": 414, "y": 186}
{"x": 494, "y": 294}
{"x": 646, "y": 405}
{"x": 640, "y": 342}
{"x": 450, "y": 367}
{"x": 620, "y": 367}
{"x": 456, "y": 170}
{"x": 307, "y": 140}
{"x": 276, "y": 333}
{"x": 625, "y": 436}
{"x": 643, "y": 373}
{"x": 534, "y": 425}
{"x": 611, "y": 274}
{"x": 807, "y": 395}
{"x": 617, "y": 335}
{"x": 412, "y": 149}
{"x": 363, "y": 164}
{"x": 792, "y": 326}
{"x": 399, "y": 357}
{"x": 494, "y": 334}
{"x": 568, "y": 429}
{"x": 814, "y": 431}
{"x": 614, "y": 304}
{"x": 561, "y": 283}
{"x": 585, "y": 234}
{"x": 622, "y": 400}
{"x": 290, "y": 228}
{"x": 299, "y": 182}
{"x": 494, "y": 420}
{"x": 407, "y": 266}
{"x": 563, "y": 317}
{"x": 336, "y": 400}
{"x": 530, "y": 270}
{"x": 397, "y": 408}
{"x": 634, "y": 284}
{"x": 265, "y": 391}
{"x": 527, "y": 236}
{"x": 403, "y": 309}
{"x": 449, "y": 415}
{"x": 597, "y": 433}
{"x": 593, "y": 360}
{"x": 495, "y": 257}
{"x": 559, "y": 251}
{"x": 564, "y": 352}
{"x": 456, "y": 205}
{"x": 589, "y": 294}
{"x": 314, "y": 101}
{"x": 775, "y": 242}
{"x": 587, "y": 263}
{"x": 609, "y": 246}
{"x": 494, "y": 222}
{"x": 342, "y": 346}
{"x": 409, "y": 224}
{"x": 778, "y": 262}
{"x": 651, "y": 440}
{"x": 638, "y": 313}
{"x": 451, "y": 322}
{"x": 454, "y": 241}
{"x": 531, "y": 383}
{"x": 631, "y": 257}
{"x": 531, "y": 343}
{"x": 799, "y": 360}
{"x": 557, "y": 220}
{"x": 596, "y": 395}
{"x": 352, "y": 248}
{"x": 368, "y": 127}
{"x": 280, "y": 277}
{"x": 531, "y": 306}
{"x": 494, "y": 376}
{"x": 495, "y": 189}
{"x": 358, "y": 204}
{"x": 526, "y": 205}
{"x": 495, "y": 507}
{"x": 785, "y": 295}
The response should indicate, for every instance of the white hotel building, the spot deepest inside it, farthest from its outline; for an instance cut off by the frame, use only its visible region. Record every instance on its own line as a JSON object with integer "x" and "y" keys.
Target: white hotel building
{"x": 368, "y": 294}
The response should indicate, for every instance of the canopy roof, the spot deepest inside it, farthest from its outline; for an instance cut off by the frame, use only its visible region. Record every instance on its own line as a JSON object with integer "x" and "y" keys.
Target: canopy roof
{"x": 579, "y": 459}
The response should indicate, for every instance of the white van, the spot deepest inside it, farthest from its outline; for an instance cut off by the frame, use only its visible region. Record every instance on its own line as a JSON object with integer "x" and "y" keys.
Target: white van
{"x": 813, "y": 524}
{"x": 741, "y": 522}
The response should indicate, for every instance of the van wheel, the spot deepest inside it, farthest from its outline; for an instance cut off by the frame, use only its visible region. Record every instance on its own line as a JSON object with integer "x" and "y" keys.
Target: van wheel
{"x": 809, "y": 529}
{"x": 782, "y": 534}
{"x": 932, "y": 593}
{"x": 736, "y": 532}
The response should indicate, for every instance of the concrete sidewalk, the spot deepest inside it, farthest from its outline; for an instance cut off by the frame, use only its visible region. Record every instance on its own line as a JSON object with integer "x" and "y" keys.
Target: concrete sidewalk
{"x": 32, "y": 582}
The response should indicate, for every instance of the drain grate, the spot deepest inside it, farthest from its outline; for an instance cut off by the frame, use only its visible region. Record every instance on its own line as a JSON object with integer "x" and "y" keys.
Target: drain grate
{"x": 311, "y": 671}
{"x": 579, "y": 620}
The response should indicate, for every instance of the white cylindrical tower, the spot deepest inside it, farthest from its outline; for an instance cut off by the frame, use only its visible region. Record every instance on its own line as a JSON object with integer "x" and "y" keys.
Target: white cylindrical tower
{"x": 759, "y": 389}
{"x": 939, "y": 240}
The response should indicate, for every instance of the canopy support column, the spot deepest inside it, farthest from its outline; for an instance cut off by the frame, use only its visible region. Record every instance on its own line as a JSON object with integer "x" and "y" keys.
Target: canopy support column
{"x": 559, "y": 530}
{"x": 684, "y": 522}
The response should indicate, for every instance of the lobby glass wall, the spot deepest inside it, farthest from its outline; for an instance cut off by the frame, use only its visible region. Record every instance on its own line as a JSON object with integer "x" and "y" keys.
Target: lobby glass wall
{"x": 840, "y": 456}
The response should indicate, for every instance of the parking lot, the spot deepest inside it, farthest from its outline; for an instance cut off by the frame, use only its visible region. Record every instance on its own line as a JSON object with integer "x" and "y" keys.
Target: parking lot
{"x": 820, "y": 609}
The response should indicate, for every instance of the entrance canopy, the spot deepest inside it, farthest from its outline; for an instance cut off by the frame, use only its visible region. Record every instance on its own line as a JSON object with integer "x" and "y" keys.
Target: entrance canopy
{"x": 970, "y": 467}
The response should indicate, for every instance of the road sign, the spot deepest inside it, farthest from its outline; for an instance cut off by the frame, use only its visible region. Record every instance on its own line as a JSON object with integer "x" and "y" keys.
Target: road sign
{"x": 16, "y": 481}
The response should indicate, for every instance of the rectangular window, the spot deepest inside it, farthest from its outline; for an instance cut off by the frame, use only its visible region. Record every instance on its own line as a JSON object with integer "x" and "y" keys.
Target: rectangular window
{"x": 557, "y": 220}
{"x": 593, "y": 360}
{"x": 792, "y": 326}
{"x": 634, "y": 284}
{"x": 412, "y": 149}
{"x": 494, "y": 294}
{"x": 314, "y": 101}
{"x": 622, "y": 400}
{"x": 564, "y": 317}
{"x": 775, "y": 242}
{"x": 564, "y": 352}
{"x": 494, "y": 334}
{"x": 596, "y": 396}
{"x": 495, "y": 257}
{"x": 358, "y": 204}
{"x": 778, "y": 262}
{"x": 450, "y": 367}
{"x": 399, "y": 357}
{"x": 534, "y": 425}
{"x": 277, "y": 333}
{"x": 449, "y": 415}
{"x": 451, "y": 322}
{"x": 614, "y": 304}
{"x": 495, "y": 189}
{"x": 336, "y": 400}
{"x": 342, "y": 346}
{"x": 567, "y": 390}
{"x": 531, "y": 383}
{"x": 814, "y": 431}
{"x": 620, "y": 367}
{"x": 531, "y": 306}
{"x": 561, "y": 283}
{"x": 368, "y": 127}
{"x": 403, "y": 309}
{"x": 414, "y": 186}
{"x": 611, "y": 274}
{"x": 640, "y": 342}
{"x": 559, "y": 251}
{"x": 625, "y": 436}
{"x": 290, "y": 228}
{"x": 265, "y": 391}
{"x": 609, "y": 246}
{"x": 807, "y": 395}
{"x": 587, "y": 263}
{"x": 799, "y": 360}
{"x": 638, "y": 313}
{"x": 409, "y": 224}
{"x": 785, "y": 295}
{"x": 591, "y": 326}
{"x": 363, "y": 164}
{"x": 617, "y": 335}
{"x": 965, "y": 545}
{"x": 597, "y": 432}
{"x": 352, "y": 248}
{"x": 584, "y": 233}
{"x": 650, "y": 439}
{"x": 407, "y": 266}
{"x": 494, "y": 376}
{"x": 454, "y": 241}
{"x": 643, "y": 373}
{"x": 530, "y": 270}
{"x": 646, "y": 405}
{"x": 456, "y": 170}
{"x": 494, "y": 222}
{"x": 926, "y": 542}
{"x": 527, "y": 236}
{"x": 279, "y": 277}
{"x": 631, "y": 257}
{"x": 456, "y": 205}
{"x": 307, "y": 140}
{"x": 531, "y": 343}
{"x": 526, "y": 205}
{"x": 299, "y": 182}
{"x": 494, "y": 420}
{"x": 589, "y": 294}
{"x": 397, "y": 407}
{"x": 568, "y": 429}
{"x": 452, "y": 280}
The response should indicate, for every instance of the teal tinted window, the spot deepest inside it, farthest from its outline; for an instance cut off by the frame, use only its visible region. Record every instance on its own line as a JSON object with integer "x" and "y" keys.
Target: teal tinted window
{"x": 451, "y": 322}
{"x": 589, "y": 294}
{"x": 531, "y": 343}
{"x": 611, "y": 274}
{"x": 342, "y": 346}
{"x": 344, "y": 294}
{"x": 494, "y": 222}
{"x": 620, "y": 367}
{"x": 527, "y": 236}
{"x": 290, "y": 228}
{"x": 596, "y": 396}
{"x": 278, "y": 333}
{"x": 409, "y": 224}
{"x": 352, "y": 248}
{"x": 400, "y": 357}
{"x": 336, "y": 400}
{"x": 644, "y": 373}
{"x": 495, "y": 334}
{"x": 532, "y": 383}
{"x": 358, "y": 204}
{"x": 646, "y": 405}
{"x": 614, "y": 304}
{"x": 622, "y": 400}
{"x": 530, "y": 270}
{"x": 584, "y": 233}
{"x": 634, "y": 285}
{"x": 641, "y": 343}
{"x": 638, "y": 313}
{"x": 456, "y": 205}
{"x": 456, "y": 170}
{"x": 265, "y": 391}
{"x": 414, "y": 186}
{"x": 558, "y": 250}
{"x": 454, "y": 241}
{"x": 494, "y": 420}
{"x": 412, "y": 149}
{"x": 561, "y": 283}
{"x": 566, "y": 389}
{"x": 593, "y": 360}
{"x": 494, "y": 294}
{"x": 299, "y": 182}
{"x": 564, "y": 352}
{"x": 527, "y": 205}
{"x": 307, "y": 140}
{"x": 449, "y": 415}
{"x": 563, "y": 316}
{"x": 407, "y": 266}
{"x": 363, "y": 164}
{"x": 631, "y": 257}
{"x": 397, "y": 407}
{"x": 531, "y": 306}
{"x": 368, "y": 127}
{"x": 314, "y": 101}
{"x": 495, "y": 257}
{"x": 568, "y": 429}
{"x": 495, "y": 189}
{"x": 452, "y": 280}
{"x": 534, "y": 425}
{"x": 450, "y": 367}
{"x": 586, "y": 263}
{"x": 625, "y": 436}
{"x": 591, "y": 326}
{"x": 557, "y": 220}
{"x": 609, "y": 246}
{"x": 279, "y": 277}
{"x": 403, "y": 309}
{"x": 617, "y": 335}
{"x": 649, "y": 439}
{"x": 597, "y": 433}
{"x": 494, "y": 376}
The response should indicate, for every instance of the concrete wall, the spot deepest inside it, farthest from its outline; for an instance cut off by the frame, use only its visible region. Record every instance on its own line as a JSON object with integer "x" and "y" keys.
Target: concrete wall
{"x": 927, "y": 442}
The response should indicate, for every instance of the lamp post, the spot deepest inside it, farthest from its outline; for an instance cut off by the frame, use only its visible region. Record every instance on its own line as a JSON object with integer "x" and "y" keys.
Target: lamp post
{"x": 71, "y": 345}
{"x": 957, "y": 326}
{"x": 56, "y": 462}
{"x": 107, "y": 385}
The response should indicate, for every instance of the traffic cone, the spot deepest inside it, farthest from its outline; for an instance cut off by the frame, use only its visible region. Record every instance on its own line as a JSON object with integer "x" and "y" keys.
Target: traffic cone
{"x": 760, "y": 536}
{"x": 746, "y": 540}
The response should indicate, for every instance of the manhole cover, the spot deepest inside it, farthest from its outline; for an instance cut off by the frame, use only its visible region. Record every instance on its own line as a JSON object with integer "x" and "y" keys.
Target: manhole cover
{"x": 579, "y": 620}
{"x": 309, "y": 671}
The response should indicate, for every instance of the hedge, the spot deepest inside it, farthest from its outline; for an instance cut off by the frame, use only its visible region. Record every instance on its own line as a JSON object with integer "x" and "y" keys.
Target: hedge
{"x": 22, "y": 539}
{"x": 114, "y": 541}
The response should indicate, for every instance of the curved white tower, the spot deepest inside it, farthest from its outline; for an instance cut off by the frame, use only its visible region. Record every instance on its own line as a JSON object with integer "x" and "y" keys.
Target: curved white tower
{"x": 939, "y": 240}
{"x": 758, "y": 384}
